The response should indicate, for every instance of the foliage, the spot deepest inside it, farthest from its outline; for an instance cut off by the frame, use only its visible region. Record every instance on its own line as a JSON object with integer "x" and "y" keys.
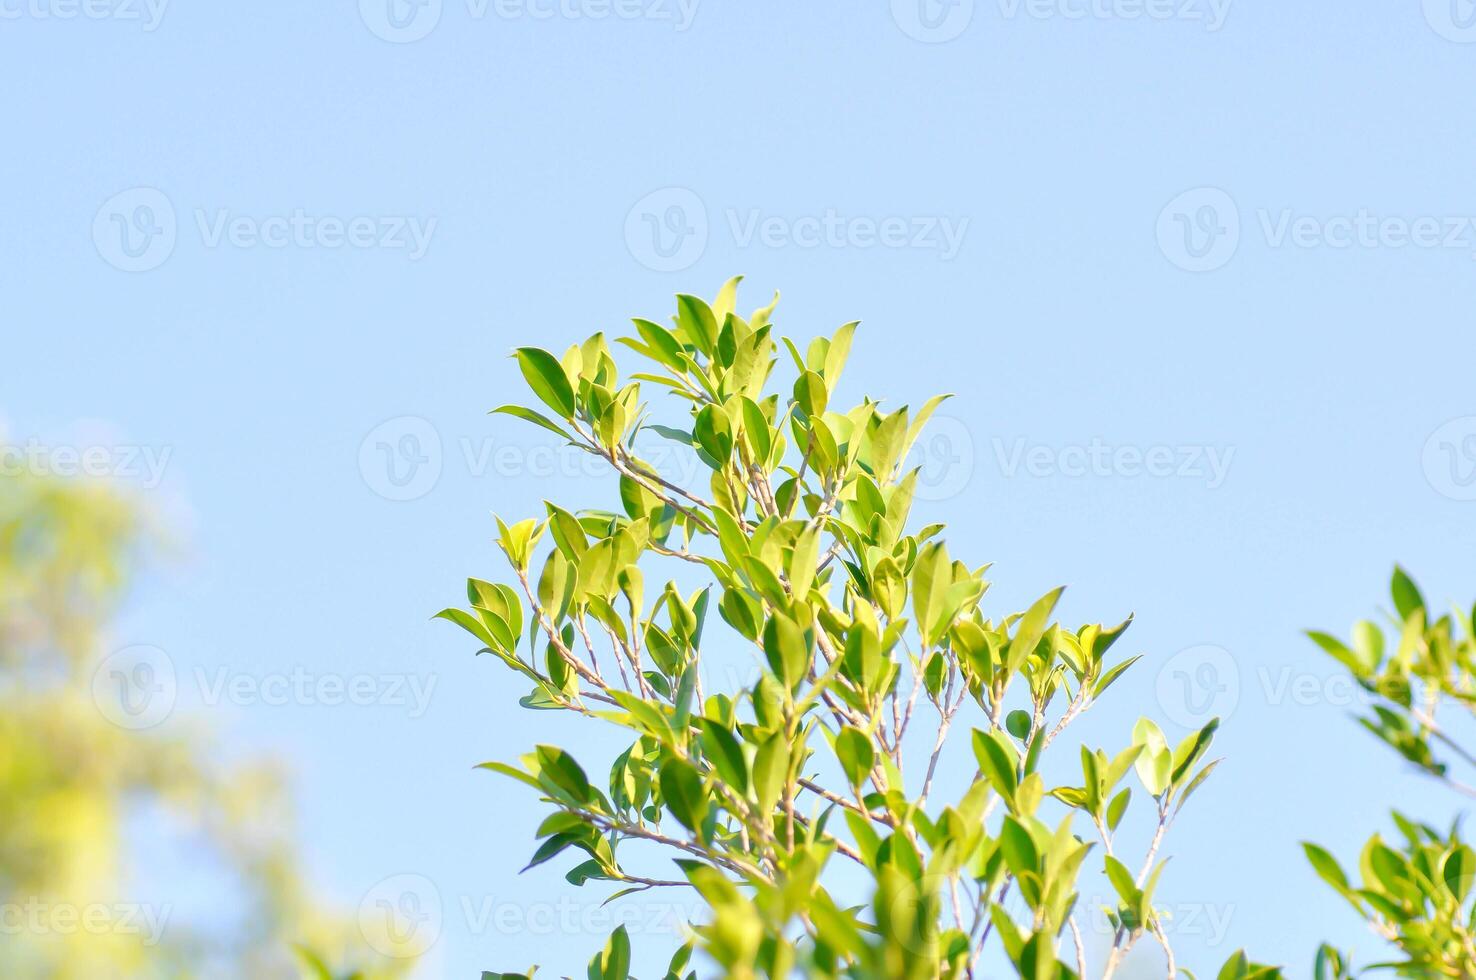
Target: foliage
{"x": 1414, "y": 891}
{"x": 758, "y": 791}
{"x": 72, "y": 784}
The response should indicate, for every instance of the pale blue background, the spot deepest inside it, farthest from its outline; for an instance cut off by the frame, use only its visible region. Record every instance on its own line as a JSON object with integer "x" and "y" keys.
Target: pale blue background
{"x": 1058, "y": 321}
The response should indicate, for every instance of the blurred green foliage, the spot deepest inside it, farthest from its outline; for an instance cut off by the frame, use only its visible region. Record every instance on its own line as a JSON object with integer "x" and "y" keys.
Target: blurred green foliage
{"x": 73, "y": 903}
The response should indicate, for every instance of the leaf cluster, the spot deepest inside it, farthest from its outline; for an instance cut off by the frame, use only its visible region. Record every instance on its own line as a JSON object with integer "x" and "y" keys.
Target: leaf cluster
{"x": 1415, "y": 891}
{"x": 860, "y": 625}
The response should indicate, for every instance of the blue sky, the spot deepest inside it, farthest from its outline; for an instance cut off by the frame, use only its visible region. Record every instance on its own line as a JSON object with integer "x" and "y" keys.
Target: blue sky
{"x": 1200, "y": 276}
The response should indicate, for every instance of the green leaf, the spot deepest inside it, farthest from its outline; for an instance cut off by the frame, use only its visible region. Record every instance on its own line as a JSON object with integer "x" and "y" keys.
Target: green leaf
{"x": 545, "y": 375}
{"x": 1122, "y": 882}
{"x": 614, "y": 962}
{"x": 1070, "y": 795}
{"x": 840, "y": 349}
{"x": 1037, "y": 960}
{"x": 1368, "y": 641}
{"x": 528, "y": 415}
{"x": 726, "y": 755}
{"x": 472, "y": 625}
{"x": 1030, "y": 629}
{"x": 770, "y": 771}
{"x": 563, "y": 772}
{"x": 810, "y": 393}
{"x": 921, "y": 419}
{"x": 1327, "y": 867}
{"x": 550, "y": 849}
{"x": 756, "y": 431}
{"x": 787, "y": 652}
{"x": 742, "y": 612}
{"x": 686, "y": 691}
{"x": 1112, "y": 675}
{"x": 1335, "y": 648}
{"x": 805, "y": 559}
{"x": 598, "y": 569}
{"x": 931, "y": 575}
{"x": 675, "y": 435}
{"x": 507, "y": 770}
{"x": 1019, "y": 847}
{"x": 664, "y": 347}
{"x": 713, "y": 434}
{"x": 312, "y": 963}
{"x": 679, "y": 961}
{"x": 696, "y": 323}
{"x": 567, "y": 533}
{"x": 681, "y": 790}
{"x": 560, "y": 673}
{"x": 1406, "y": 594}
{"x": 888, "y": 587}
{"x": 1118, "y": 807}
{"x": 1235, "y": 967}
{"x": 502, "y": 602}
{"x": 1192, "y": 749}
{"x": 1155, "y": 764}
{"x": 727, "y": 299}
{"x": 1194, "y": 783}
{"x": 1457, "y": 871}
{"x": 856, "y": 754}
{"x": 997, "y": 761}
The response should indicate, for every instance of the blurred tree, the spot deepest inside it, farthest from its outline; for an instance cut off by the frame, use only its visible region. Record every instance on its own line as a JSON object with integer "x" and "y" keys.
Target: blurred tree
{"x": 71, "y": 781}
{"x": 1414, "y": 889}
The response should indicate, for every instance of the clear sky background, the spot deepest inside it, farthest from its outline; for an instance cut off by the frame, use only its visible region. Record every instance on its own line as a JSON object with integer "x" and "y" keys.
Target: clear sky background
{"x": 1239, "y": 235}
